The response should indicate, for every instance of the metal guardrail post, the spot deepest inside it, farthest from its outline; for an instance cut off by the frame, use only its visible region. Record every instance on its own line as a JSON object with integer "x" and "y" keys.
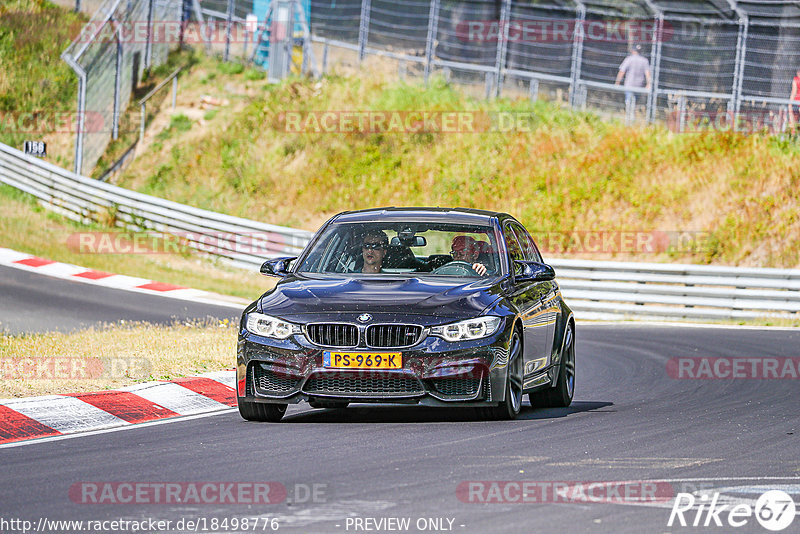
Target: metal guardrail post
{"x": 363, "y": 29}
{"x": 325, "y": 58}
{"x": 502, "y": 47}
{"x": 578, "y": 38}
{"x": 433, "y": 29}
{"x": 228, "y": 29}
{"x": 533, "y": 90}
{"x": 681, "y": 112}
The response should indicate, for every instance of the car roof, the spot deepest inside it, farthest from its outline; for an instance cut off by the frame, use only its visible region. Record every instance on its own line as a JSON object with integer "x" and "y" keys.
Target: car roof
{"x": 462, "y": 215}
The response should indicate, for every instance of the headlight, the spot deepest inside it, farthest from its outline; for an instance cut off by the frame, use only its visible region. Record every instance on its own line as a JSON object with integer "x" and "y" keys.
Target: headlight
{"x": 469, "y": 329}
{"x": 264, "y": 325}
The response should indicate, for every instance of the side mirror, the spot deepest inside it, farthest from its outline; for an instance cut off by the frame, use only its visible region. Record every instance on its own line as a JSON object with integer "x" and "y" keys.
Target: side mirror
{"x": 533, "y": 271}
{"x": 277, "y": 267}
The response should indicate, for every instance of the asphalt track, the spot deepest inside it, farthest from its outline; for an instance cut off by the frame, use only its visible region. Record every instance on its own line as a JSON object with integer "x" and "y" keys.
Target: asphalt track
{"x": 630, "y": 422}
{"x": 33, "y": 302}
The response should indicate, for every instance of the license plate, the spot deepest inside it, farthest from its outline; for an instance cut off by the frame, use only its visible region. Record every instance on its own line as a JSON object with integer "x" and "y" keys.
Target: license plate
{"x": 362, "y": 360}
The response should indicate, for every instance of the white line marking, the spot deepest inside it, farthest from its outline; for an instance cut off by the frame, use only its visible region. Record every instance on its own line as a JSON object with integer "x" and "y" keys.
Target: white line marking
{"x": 629, "y": 322}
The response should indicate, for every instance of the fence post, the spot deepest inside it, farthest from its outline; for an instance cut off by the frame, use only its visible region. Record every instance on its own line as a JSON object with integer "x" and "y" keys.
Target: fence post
{"x": 363, "y": 29}
{"x": 681, "y": 111}
{"x": 658, "y": 38}
{"x": 577, "y": 54}
{"x": 502, "y": 46}
{"x": 228, "y": 23}
{"x": 117, "y": 82}
{"x": 433, "y": 28}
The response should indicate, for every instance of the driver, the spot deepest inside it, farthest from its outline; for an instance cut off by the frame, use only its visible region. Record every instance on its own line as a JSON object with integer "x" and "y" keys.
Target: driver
{"x": 465, "y": 248}
{"x": 373, "y": 250}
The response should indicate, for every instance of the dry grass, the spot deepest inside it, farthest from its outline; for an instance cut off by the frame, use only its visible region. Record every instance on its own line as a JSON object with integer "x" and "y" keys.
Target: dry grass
{"x": 112, "y": 356}
{"x": 26, "y": 227}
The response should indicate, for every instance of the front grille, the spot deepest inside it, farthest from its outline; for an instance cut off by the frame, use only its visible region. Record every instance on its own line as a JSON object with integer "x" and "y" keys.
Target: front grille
{"x": 270, "y": 381}
{"x": 333, "y": 334}
{"x": 363, "y": 383}
{"x": 393, "y": 335}
{"x": 457, "y": 386}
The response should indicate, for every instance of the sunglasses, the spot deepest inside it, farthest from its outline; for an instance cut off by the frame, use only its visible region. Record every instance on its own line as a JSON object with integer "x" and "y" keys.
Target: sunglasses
{"x": 373, "y": 246}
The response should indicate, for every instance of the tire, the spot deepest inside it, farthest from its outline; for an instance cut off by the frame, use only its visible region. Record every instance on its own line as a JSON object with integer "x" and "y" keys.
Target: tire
{"x": 333, "y": 405}
{"x": 561, "y": 395}
{"x": 512, "y": 403}
{"x": 257, "y": 411}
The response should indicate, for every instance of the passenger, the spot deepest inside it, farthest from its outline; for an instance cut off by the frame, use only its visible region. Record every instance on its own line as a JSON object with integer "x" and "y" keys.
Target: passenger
{"x": 373, "y": 250}
{"x": 466, "y": 249}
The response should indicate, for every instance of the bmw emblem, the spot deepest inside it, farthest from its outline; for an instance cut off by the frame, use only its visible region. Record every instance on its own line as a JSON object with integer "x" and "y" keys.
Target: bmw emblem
{"x": 365, "y": 318}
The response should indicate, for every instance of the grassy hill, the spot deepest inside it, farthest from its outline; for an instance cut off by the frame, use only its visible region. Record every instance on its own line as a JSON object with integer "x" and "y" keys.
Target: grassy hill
{"x": 573, "y": 172}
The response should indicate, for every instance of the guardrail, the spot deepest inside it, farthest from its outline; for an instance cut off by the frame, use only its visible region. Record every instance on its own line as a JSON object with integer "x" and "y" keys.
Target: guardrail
{"x": 594, "y": 289}
{"x": 608, "y": 288}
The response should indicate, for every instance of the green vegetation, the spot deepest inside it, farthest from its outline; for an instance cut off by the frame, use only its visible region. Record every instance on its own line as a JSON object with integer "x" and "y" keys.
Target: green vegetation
{"x": 568, "y": 172}
{"x": 133, "y": 353}
{"x": 27, "y": 227}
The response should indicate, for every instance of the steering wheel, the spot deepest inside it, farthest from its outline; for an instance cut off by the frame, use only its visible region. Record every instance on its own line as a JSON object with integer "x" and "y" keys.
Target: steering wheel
{"x": 456, "y": 268}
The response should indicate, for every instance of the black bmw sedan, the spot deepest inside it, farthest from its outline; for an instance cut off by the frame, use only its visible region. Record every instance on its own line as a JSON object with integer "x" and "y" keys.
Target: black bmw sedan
{"x": 430, "y": 306}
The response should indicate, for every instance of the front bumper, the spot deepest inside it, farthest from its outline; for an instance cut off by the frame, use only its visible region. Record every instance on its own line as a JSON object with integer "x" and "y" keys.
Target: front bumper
{"x": 434, "y": 373}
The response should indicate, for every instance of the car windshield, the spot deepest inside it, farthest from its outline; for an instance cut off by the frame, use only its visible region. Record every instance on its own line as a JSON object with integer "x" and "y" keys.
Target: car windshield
{"x": 435, "y": 249}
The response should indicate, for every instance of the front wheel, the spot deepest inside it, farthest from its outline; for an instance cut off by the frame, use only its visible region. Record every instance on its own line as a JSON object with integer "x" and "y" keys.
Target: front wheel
{"x": 561, "y": 395}
{"x": 512, "y": 403}
{"x": 257, "y": 411}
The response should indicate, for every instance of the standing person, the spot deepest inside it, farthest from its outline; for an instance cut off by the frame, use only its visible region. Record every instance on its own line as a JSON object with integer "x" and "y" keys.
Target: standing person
{"x": 636, "y": 70}
{"x": 795, "y": 95}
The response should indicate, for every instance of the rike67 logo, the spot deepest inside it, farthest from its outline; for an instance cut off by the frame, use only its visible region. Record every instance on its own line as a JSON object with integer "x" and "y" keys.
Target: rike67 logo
{"x": 774, "y": 510}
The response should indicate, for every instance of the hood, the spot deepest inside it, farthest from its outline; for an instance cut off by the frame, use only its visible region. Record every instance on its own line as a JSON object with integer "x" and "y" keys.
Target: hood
{"x": 298, "y": 296}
